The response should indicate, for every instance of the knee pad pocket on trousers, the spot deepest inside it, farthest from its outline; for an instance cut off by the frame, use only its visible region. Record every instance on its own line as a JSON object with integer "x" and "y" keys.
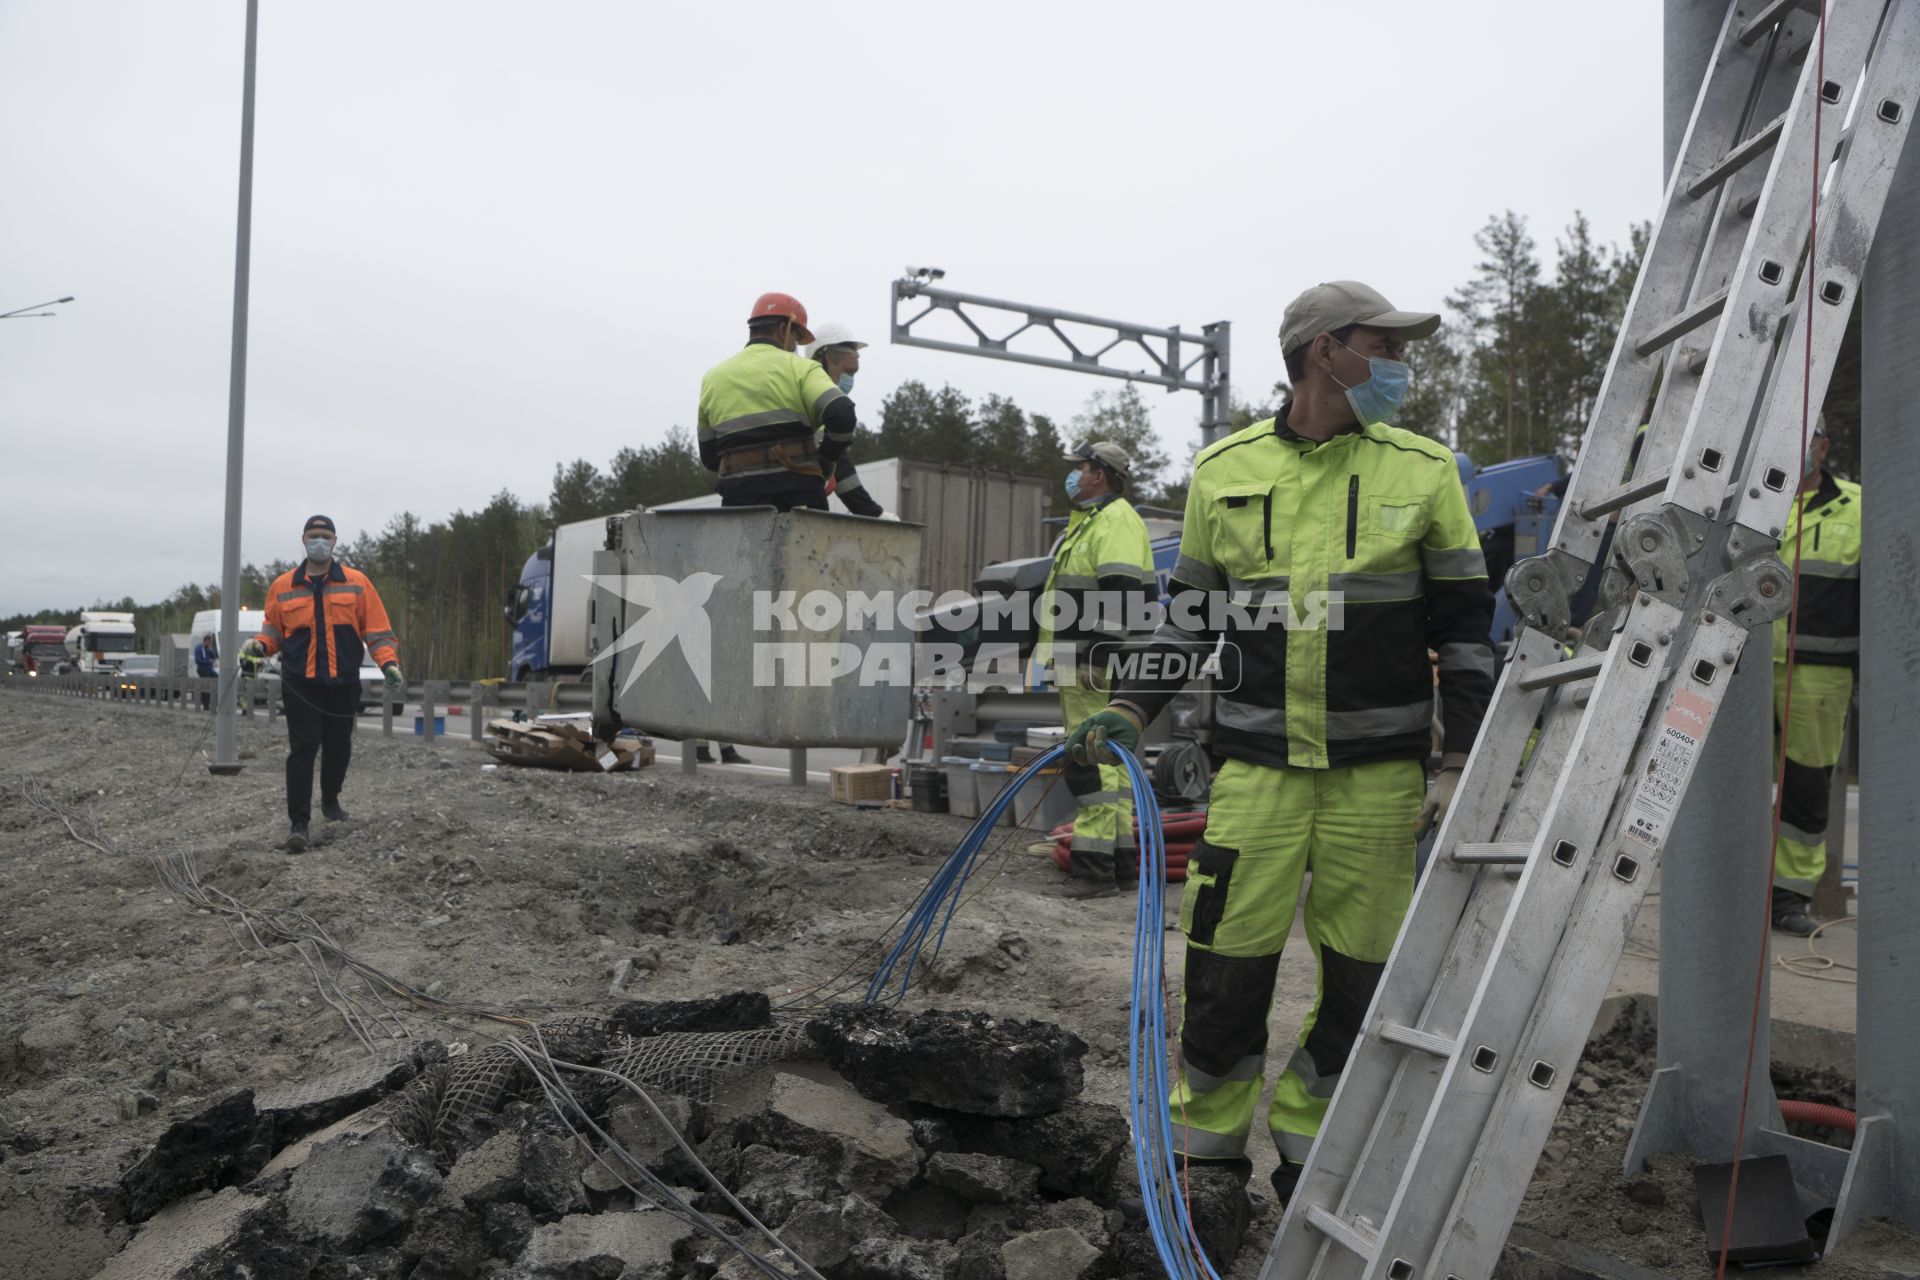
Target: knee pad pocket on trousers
{"x": 1081, "y": 779}
{"x": 1227, "y": 1001}
{"x": 1346, "y": 989}
{"x": 1804, "y": 796}
{"x": 1212, "y": 867}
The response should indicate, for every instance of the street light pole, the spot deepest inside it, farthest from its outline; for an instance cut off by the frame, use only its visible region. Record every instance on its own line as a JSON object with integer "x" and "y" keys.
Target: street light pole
{"x": 226, "y": 759}
{"x": 29, "y": 313}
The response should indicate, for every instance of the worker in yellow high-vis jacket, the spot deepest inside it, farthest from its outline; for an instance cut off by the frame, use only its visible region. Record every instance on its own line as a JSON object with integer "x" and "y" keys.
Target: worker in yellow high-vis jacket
{"x": 1825, "y": 524}
{"x": 760, "y": 409}
{"x": 1356, "y": 535}
{"x": 1099, "y": 587}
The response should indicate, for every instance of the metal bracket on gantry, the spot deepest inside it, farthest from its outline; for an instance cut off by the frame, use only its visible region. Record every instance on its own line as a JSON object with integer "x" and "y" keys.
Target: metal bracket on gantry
{"x": 1569, "y": 799}
{"x": 1177, "y": 360}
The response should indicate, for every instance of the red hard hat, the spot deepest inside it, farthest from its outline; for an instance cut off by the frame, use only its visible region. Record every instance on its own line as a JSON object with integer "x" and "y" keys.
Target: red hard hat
{"x": 784, "y": 305}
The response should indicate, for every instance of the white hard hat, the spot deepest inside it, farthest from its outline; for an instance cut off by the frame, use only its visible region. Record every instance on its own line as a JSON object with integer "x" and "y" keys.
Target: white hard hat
{"x": 833, "y": 334}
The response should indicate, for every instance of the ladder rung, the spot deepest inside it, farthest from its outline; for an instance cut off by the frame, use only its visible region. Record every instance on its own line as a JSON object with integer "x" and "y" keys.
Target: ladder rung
{"x": 1628, "y": 494}
{"x": 1414, "y": 1038}
{"x": 1503, "y": 854}
{"x": 1684, "y": 323}
{"x": 1768, "y": 14}
{"x": 1564, "y": 672}
{"x": 1738, "y": 158}
{"x": 1356, "y": 1240}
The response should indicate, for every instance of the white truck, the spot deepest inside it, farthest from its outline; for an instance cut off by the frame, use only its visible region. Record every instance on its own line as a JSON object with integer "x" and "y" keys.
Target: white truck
{"x": 103, "y": 638}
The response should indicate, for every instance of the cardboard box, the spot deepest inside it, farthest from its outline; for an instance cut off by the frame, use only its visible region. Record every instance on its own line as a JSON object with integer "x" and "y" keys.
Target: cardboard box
{"x": 861, "y": 783}
{"x": 563, "y": 744}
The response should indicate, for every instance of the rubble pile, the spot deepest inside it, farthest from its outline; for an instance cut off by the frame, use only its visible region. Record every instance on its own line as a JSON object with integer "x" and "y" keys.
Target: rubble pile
{"x": 926, "y": 1146}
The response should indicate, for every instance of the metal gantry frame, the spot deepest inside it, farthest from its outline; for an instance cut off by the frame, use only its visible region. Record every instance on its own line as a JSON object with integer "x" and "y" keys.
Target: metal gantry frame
{"x": 1174, "y": 354}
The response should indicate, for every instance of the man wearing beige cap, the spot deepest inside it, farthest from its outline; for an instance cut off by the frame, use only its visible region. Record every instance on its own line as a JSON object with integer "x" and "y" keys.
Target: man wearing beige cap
{"x": 1324, "y": 721}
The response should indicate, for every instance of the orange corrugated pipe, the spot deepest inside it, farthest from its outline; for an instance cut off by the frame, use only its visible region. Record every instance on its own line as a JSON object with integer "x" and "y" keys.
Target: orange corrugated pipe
{"x": 1820, "y": 1113}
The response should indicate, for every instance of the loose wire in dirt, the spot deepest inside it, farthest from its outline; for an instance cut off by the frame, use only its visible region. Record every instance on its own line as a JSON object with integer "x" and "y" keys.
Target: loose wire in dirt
{"x": 358, "y": 991}
{"x": 941, "y": 898}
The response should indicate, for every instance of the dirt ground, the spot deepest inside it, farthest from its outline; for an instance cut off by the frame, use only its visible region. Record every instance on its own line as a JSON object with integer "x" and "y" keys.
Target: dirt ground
{"x": 523, "y": 890}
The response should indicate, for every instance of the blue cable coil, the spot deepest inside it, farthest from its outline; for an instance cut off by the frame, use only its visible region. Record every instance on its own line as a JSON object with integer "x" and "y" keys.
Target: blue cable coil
{"x": 1169, "y": 1222}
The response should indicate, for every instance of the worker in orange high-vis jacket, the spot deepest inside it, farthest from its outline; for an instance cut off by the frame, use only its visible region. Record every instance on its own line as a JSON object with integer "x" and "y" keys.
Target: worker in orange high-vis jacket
{"x": 322, "y": 616}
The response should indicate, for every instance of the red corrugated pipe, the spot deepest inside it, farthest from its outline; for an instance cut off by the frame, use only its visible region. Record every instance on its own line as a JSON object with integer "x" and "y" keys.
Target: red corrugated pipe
{"x": 1827, "y": 1117}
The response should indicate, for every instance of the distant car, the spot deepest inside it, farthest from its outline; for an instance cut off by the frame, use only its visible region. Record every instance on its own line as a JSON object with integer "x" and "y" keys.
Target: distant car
{"x": 136, "y": 664}
{"x": 373, "y": 683}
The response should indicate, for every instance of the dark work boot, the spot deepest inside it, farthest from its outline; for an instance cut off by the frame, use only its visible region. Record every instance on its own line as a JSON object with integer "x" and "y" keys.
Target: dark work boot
{"x": 1790, "y": 912}
{"x": 297, "y": 838}
{"x": 702, "y": 754}
{"x": 332, "y": 812}
{"x": 731, "y": 755}
{"x": 1285, "y": 1177}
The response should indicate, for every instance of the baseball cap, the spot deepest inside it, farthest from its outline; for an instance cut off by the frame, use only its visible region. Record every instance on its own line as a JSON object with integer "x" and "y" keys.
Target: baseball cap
{"x": 1106, "y": 453}
{"x": 318, "y": 522}
{"x": 1339, "y": 303}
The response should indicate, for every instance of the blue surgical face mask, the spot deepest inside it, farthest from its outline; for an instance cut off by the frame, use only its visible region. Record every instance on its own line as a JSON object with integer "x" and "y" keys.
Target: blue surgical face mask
{"x": 1380, "y": 396}
{"x": 846, "y": 383}
{"x": 1073, "y": 486}
{"x": 319, "y": 550}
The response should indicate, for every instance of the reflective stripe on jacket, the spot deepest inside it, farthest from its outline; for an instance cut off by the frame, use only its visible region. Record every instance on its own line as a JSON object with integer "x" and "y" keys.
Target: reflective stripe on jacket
{"x": 1827, "y": 524}
{"x": 322, "y": 626}
{"x": 1102, "y": 573}
{"x": 1365, "y": 545}
{"x": 762, "y": 395}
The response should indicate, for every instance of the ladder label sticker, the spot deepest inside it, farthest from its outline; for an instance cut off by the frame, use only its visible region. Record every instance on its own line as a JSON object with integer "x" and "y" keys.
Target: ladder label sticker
{"x": 1669, "y": 765}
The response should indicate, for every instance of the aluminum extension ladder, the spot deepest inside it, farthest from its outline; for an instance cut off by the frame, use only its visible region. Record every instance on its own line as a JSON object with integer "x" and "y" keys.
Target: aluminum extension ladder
{"x": 1483, "y": 1010}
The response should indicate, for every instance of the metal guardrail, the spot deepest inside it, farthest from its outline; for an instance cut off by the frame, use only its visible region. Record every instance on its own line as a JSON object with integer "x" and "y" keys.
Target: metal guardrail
{"x": 480, "y": 698}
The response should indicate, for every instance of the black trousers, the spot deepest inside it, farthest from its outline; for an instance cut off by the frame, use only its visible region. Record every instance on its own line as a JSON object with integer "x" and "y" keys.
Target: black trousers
{"x": 780, "y": 492}
{"x": 320, "y": 721}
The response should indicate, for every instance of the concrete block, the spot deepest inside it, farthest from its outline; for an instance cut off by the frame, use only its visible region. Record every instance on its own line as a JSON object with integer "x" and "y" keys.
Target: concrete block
{"x": 1056, "y": 1254}
{"x": 298, "y": 1106}
{"x": 295, "y": 1153}
{"x": 773, "y": 1184}
{"x": 635, "y": 1127}
{"x": 183, "y": 1237}
{"x": 631, "y": 1239}
{"x": 357, "y": 1189}
{"x": 868, "y": 1146}
{"x": 983, "y": 1179}
{"x": 899, "y": 1259}
{"x": 1077, "y": 1147}
{"x": 525, "y": 1166}
{"x": 966, "y": 1062}
{"x": 227, "y": 1141}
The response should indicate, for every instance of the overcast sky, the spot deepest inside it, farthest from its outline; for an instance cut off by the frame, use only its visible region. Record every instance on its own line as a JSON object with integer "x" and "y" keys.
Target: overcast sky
{"x": 491, "y": 236}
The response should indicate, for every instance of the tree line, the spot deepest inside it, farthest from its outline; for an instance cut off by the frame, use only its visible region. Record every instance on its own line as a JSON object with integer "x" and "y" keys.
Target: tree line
{"x": 1514, "y": 371}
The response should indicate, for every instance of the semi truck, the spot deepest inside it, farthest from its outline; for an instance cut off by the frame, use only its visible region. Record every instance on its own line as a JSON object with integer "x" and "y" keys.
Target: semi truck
{"x": 973, "y": 516}
{"x": 101, "y": 640}
{"x": 43, "y": 649}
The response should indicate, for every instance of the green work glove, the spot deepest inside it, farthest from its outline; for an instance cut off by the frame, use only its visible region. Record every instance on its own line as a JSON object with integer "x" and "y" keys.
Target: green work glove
{"x": 253, "y": 649}
{"x": 392, "y": 672}
{"x": 1088, "y": 743}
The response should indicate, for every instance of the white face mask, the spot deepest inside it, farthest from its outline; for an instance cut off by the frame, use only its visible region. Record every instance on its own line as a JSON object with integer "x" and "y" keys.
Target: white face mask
{"x": 319, "y": 550}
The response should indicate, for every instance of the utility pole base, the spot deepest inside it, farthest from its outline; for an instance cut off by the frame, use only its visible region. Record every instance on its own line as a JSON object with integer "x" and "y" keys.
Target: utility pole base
{"x": 223, "y": 770}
